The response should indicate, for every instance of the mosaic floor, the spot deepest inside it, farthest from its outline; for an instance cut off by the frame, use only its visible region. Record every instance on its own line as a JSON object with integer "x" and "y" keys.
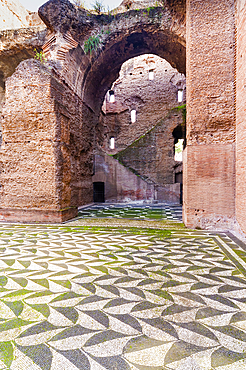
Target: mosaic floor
{"x": 78, "y": 300}
{"x": 133, "y": 211}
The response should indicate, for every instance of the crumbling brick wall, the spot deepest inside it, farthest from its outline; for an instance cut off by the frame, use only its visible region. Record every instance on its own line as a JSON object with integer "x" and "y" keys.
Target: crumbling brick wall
{"x": 46, "y": 150}
{"x": 152, "y": 156}
{"x": 209, "y": 168}
{"x": 241, "y": 120}
{"x": 147, "y": 145}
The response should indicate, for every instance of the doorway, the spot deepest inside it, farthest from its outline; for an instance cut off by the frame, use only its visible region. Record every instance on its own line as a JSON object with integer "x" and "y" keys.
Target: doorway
{"x": 98, "y": 192}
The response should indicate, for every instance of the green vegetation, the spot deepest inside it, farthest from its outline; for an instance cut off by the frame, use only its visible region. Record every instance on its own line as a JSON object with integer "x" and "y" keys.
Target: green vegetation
{"x": 154, "y": 233}
{"x": 181, "y": 108}
{"x": 92, "y": 43}
{"x": 149, "y": 9}
{"x": 98, "y": 7}
{"x": 137, "y": 142}
{"x": 39, "y": 55}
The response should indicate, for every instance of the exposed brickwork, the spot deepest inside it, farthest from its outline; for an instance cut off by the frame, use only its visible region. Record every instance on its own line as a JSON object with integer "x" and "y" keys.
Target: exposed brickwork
{"x": 209, "y": 194}
{"x": 152, "y": 156}
{"x": 210, "y": 71}
{"x": 13, "y": 15}
{"x": 16, "y": 46}
{"x": 209, "y": 179}
{"x": 152, "y": 99}
{"x": 51, "y": 116}
{"x": 241, "y": 120}
{"x": 122, "y": 37}
{"x": 146, "y": 146}
{"x": 120, "y": 183}
{"x": 47, "y": 162}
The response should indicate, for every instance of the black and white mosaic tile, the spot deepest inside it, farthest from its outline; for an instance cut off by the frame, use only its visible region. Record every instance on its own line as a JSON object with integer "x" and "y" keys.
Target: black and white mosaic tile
{"x": 78, "y": 300}
{"x": 133, "y": 211}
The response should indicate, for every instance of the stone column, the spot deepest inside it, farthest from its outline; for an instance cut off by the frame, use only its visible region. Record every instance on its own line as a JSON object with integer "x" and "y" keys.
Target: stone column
{"x": 209, "y": 166}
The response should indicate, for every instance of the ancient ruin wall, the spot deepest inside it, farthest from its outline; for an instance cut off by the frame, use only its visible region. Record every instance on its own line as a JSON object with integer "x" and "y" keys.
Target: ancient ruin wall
{"x": 16, "y": 46}
{"x": 241, "y": 120}
{"x": 46, "y": 150}
{"x": 14, "y": 16}
{"x": 121, "y": 184}
{"x": 152, "y": 156}
{"x": 122, "y": 37}
{"x": 152, "y": 99}
{"x": 209, "y": 178}
{"x": 146, "y": 146}
{"x": 21, "y": 32}
{"x": 41, "y": 103}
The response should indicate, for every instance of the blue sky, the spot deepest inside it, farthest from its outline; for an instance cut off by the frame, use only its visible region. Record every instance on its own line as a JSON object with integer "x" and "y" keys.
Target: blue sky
{"x": 33, "y": 5}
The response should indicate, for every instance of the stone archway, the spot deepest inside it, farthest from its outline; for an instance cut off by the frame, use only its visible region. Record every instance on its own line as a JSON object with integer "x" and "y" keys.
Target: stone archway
{"x": 157, "y": 30}
{"x": 140, "y": 120}
{"x": 48, "y": 146}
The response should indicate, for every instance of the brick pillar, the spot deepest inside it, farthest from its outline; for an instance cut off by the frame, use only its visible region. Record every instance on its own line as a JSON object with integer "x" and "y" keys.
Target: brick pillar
{"x": 209, "y": 165}
{"x": 36, "y": 169}
{"x": 241, "y": 116}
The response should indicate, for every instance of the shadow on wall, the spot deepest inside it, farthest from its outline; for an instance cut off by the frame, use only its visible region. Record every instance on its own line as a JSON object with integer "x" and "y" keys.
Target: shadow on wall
{"x": 113, "y": 182}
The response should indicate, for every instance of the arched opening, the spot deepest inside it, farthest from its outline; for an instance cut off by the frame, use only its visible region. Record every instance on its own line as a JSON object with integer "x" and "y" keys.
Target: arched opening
{"x": 179, "y": 144}
{"x": 138, "y": 133}
{"x": 111, "y": 96}
{"x": 100, "y": 77}
{"x": 73, "y": 91}
{"x": 112, "y": 116}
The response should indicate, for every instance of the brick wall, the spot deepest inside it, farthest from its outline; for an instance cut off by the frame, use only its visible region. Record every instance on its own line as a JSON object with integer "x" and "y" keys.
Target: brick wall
{"x": 208, "y": 192}
{"x": 46, "y": 150}
{"x": 241, "y": 116}
{"x": 152, "y": 156}
{"x": 146, "y": 146}
{"x": 209, "y": 179}
{"x": 120, "y": 183}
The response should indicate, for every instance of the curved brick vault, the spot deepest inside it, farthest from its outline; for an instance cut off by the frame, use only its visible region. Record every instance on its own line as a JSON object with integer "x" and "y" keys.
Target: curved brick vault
{"x": 158, "y": 30}
{"x": 52, "y": 111}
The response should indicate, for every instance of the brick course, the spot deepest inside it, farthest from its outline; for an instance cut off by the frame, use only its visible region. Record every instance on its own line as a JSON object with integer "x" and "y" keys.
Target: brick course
{"x": 46, "y": 151}
{"x": 241, "y": 120}
{"x": 209, "y": 179}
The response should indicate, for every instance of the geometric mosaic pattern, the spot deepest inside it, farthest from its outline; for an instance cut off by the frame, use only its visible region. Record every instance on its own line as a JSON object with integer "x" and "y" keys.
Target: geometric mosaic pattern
{"x": 78, "y": 300}
{"x": 131, "y": 211}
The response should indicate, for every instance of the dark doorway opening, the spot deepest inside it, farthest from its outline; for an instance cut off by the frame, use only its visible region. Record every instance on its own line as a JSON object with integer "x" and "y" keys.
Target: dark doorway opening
{"x": 98, "y": 192}
{"x": 179, "y": 179}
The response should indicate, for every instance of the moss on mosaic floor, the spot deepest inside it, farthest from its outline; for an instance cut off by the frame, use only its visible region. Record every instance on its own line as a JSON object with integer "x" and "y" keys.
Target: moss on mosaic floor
{"x": 130, "y": 211}
{"x": 114, "y": 224}
{"x": 120, "y": 294}
{"x": 76, "y": 297}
